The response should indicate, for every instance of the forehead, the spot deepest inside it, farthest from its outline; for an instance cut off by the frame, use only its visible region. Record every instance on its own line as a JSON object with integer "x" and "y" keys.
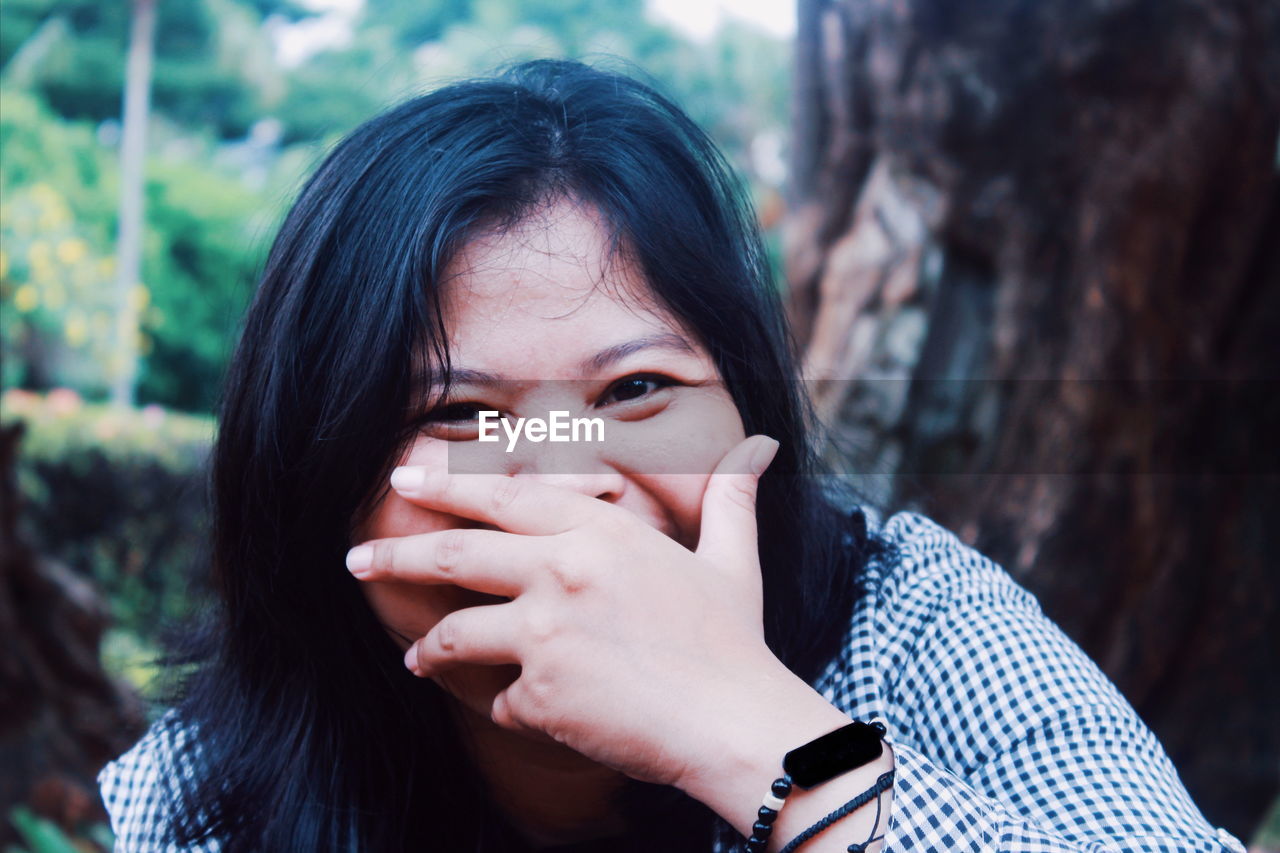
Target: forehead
{"x": 546, "y": 291}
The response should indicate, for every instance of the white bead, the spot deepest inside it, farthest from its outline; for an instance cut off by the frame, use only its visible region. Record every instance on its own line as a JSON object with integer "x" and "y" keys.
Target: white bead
{"x": 772, "y": 802}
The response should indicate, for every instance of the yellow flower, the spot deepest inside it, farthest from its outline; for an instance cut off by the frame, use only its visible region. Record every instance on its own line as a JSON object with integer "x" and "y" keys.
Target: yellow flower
{"x": 44, "y": 193}
{"x": 76, "y": 329}
{"x": 54, "y": 212}
{"x": 26, "y": 299}
{"x": 72, "y": 250}
{"x": 139, "y": 297}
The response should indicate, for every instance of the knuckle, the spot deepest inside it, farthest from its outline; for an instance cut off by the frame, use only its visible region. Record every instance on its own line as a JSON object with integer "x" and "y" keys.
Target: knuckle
{"x": 741, "y": 494}
{"x": 505, "y": 493}
{"x": 537, "y": 694}
{"x": 540, "y": 627}
{"x": 567, "y": 575}
{"x": 520, "y": 710}
{"x": 450, "y": 548}
{"x": 503, "y": 712}
{"x": 384, "y": 557}
{"x": 446, "y": 635}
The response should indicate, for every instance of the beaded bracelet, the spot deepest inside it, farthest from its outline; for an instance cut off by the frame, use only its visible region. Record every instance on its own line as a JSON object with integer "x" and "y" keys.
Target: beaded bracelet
{"x": 773, "y": 802}
{"x": 818, "y": 761}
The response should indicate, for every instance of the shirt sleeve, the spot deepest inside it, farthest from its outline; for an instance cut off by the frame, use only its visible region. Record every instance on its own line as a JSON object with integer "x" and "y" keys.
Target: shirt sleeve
{"x": 138, "y": 791}
{"x": 1006, "y": 736}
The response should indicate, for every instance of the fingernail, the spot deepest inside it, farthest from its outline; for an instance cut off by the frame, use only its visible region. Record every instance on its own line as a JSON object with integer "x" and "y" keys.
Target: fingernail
{"x": 408, "y": 478}
{"x": 763, "y": 456}
{"x": 411, "y": 660}
{"x": 359, "y": 559}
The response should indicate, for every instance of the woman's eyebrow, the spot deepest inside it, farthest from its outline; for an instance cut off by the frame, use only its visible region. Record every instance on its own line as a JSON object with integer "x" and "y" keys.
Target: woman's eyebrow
{"x": 460, "y": 376}
{"x": 617, "y": 352}
{"x": 597, "y": 362}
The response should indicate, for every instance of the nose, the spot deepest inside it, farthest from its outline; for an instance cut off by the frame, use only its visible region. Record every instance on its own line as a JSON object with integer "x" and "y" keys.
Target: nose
{"x": 576, "y": 467}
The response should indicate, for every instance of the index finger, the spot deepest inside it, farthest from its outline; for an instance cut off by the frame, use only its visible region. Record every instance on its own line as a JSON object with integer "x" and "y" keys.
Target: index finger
{"x": 514, "y": 504}
{"x": 489, "y": 561}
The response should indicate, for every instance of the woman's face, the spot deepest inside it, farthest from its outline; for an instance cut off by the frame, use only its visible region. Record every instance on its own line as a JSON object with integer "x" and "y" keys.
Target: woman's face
{"x": 541, "y": 319}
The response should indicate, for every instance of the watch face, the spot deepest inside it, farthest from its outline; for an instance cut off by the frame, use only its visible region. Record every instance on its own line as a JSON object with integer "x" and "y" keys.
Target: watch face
{"x": 832, "y": 754}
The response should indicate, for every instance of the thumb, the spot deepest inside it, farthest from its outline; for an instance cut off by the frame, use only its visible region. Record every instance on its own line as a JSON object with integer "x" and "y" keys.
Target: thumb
{"x": 728, "y": 536}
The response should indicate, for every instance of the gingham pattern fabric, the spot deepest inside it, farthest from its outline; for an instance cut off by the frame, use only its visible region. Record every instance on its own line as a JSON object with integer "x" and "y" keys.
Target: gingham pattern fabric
{"x": 140, "y": 787}
{"x": 1006, "y": 737}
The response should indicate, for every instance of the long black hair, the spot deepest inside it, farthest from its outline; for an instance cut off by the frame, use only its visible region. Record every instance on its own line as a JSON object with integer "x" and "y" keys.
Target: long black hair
{"x": 307, "y": 731}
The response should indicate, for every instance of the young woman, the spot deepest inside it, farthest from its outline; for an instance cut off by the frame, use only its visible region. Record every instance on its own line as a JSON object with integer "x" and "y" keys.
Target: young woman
{"x": 429, "y": 641}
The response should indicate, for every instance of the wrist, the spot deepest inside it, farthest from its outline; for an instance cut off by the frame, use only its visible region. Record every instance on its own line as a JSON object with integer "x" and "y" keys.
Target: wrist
{"x": 860, "y": 801}
{"x": 744, "y": 746}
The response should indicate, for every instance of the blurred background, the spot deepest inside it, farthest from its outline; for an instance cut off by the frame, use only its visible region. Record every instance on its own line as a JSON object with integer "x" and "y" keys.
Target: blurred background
{"x": 1031, "y": 251}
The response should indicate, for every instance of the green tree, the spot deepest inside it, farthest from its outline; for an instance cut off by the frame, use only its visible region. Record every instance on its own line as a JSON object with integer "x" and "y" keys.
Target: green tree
{"x": 205, "y": 73}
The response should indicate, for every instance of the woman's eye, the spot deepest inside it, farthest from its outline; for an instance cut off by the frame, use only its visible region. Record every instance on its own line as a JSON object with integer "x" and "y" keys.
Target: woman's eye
{"x": 635, "y": 388}
{"x": 454, "y": 419}
{"x": 455, "y": 413}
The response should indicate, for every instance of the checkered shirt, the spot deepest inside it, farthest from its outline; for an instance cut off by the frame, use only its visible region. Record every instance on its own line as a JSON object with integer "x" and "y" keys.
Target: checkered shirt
{"x": 1006, "y": 736}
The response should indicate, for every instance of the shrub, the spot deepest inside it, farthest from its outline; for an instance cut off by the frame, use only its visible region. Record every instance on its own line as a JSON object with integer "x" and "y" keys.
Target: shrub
{"x": 119, "y": 495}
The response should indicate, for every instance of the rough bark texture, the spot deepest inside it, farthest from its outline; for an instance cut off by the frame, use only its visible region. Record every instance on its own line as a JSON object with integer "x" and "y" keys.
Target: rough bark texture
{"x": 61, "y": 716}
{"x": 1044, "y": 238}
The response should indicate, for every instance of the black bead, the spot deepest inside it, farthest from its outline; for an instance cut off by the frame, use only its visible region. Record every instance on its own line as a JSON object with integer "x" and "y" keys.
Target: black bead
{"x": 761, "y": 830}
{"x": 767, "y": 815}
{"x": 756, "y": 845}
{"x": 782, "y": 787}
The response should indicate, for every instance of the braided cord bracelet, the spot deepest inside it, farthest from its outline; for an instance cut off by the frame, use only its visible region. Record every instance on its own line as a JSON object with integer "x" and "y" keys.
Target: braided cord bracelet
{"x": 862, "y": 848}
{"x": 882, "y": 784}
{"x": 818, "y": 761}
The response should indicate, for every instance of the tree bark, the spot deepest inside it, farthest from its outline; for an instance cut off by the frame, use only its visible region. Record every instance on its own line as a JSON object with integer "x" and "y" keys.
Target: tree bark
{"x": 1037, "y": 245}
{"x": 61, "y": 716}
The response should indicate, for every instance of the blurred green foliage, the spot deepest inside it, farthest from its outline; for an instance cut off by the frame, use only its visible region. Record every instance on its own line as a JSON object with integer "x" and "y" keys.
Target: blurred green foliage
{"x": 232, "y": 131}
{"x": 57, "y": 268}
{"x": 74, "y": 58}
{"x": 1267, "y": 837}
{"x": 43, "y": 836}
{"x": 206, "y": 243}
{"x": 119, "y": 494}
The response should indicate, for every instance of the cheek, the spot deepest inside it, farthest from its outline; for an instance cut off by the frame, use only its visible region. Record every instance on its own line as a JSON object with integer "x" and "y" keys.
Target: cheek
{"x": 394, "y": 516}
{"x": 675, "y": 471}
{"x": 691, "y": 436}
{"x": 679, "y": 497}
{"x": 409, "y": 610}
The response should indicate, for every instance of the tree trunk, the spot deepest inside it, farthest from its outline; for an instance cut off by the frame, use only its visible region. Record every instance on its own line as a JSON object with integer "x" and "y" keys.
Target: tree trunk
{"x": 133, "y": 158}
{"x": 1042, "y": 237}
{"x": 61, "y": 716}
